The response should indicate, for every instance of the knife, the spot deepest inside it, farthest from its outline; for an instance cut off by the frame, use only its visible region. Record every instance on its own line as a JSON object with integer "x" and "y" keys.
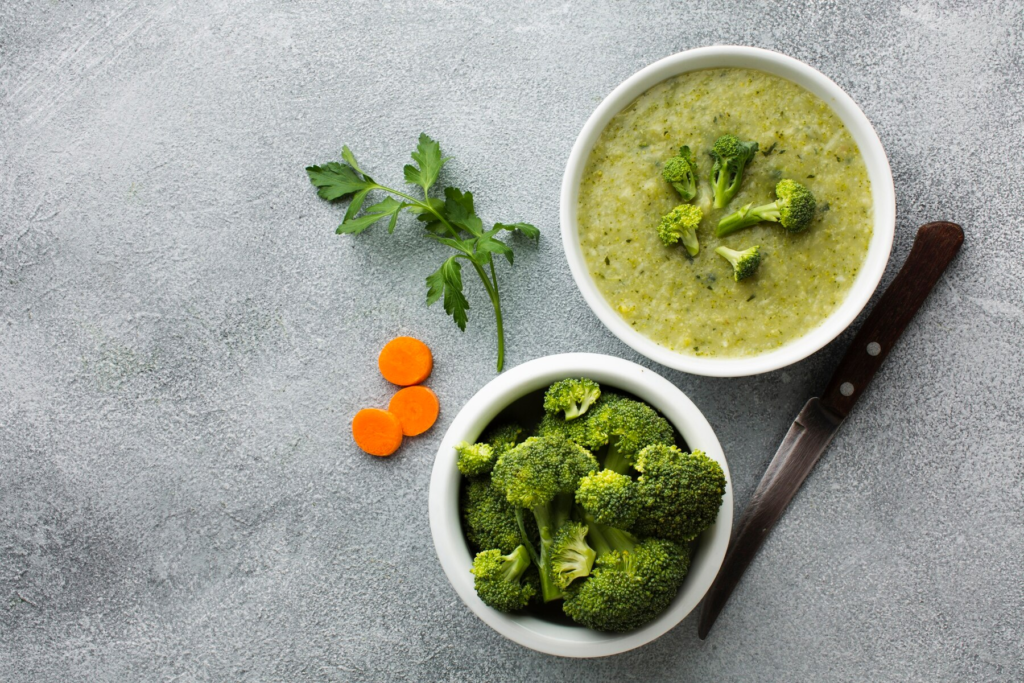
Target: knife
{"x": 934, "y": 247}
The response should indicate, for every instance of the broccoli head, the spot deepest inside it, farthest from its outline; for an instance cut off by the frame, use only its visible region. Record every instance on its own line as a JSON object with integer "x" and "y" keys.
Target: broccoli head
{"x": 681, "y": 172}
{"x": 534, "y": 472}
{"x": 586, "y": 431}
{"x": 793, "y": 208}
{"x": 571, "y": 397}
{"x": 680, "y": 224}
{"x": 744, "y": 263}
{"x": 541, "y": 475}
{"x": 475, "y": 459}
{"x": 571, "y": 556}
{"x": 609, "y": 497}
{"x": 478, "y": 458}
{"x": 498, "y": 577}
{"x": 628, "y": 588}
{"x": 796, "y": 205}
{"x": 621, "y": 423}
{"x": 679, "y": 493}
{"x": 731, "y": 155}
{"x": 630, "y": 426}
{"x": 490, "y": 521}
{"x": 501, "y": 437}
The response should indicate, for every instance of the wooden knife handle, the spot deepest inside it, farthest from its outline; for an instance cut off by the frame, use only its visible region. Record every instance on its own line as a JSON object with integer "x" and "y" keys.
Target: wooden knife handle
{"x": 934, "y": 247}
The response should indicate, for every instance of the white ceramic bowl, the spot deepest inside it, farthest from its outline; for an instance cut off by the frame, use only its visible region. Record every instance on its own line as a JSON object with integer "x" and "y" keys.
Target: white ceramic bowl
{"x": 498, "y": 394}
{"x": 879, "y": 174}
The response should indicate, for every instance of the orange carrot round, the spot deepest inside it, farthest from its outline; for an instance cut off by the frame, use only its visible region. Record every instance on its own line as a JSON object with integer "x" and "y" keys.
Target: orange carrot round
{"x": 377, "y": 431}
{"x": 416, "y": 408}
{"x": 405, "y": 361}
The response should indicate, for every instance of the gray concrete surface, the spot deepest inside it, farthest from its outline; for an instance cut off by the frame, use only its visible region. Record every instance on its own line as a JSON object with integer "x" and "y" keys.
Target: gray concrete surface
{"x": 183, "y": 341}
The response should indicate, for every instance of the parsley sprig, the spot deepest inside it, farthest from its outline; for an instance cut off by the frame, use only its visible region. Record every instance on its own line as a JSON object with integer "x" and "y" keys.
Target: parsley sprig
{"x": 452, "y": 221}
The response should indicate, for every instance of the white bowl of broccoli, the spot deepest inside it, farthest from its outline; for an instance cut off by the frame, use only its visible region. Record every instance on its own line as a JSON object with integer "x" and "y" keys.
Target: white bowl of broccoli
{"x": 708, "y": 355}
{"x": 630, "y": 436}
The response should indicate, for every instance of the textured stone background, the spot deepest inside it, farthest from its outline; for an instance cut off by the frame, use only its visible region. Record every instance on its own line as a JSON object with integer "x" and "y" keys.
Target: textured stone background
{"x": 183, "y": 340}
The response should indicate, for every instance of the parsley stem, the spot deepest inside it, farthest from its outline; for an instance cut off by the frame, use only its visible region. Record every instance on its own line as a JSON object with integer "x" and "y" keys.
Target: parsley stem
{"x": 490, "y": 283}
{"x": 496, "y": 301}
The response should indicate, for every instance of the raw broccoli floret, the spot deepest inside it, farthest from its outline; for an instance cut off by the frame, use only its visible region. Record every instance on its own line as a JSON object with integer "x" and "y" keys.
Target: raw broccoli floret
{"x": 490, "y": 521}
{"x": 609, "y": 497}
{"x": 501, "y": 437}
{"x": 534, "y": 472}
{"x": 679, "y": 493}
{"x": 475, "y": 458}
{"x": 630, "y": 584}
{"x": 793, "y": 208}
{"x": 744, "y": 263}
{"x": 680, "y": 224}
{"x": 571, "y": 397}
{"x": 630, "y": 426}
{"x": 731, "y": 156}
{"x": 621, "y": 423}
{"x": 681, "y": 171}
{"x": 588, "y": 431}
{"x": 585, "y": 432}
{"x": 541, "y": 475}
{"x": 498, "y": 581}
{"x": 571, "y": 556}
{"x": 478, "y": 459}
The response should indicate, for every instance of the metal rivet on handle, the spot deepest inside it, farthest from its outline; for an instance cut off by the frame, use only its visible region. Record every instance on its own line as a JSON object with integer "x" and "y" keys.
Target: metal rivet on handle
{"x": 846, "y": 389}
{"x": 874, "y": 348}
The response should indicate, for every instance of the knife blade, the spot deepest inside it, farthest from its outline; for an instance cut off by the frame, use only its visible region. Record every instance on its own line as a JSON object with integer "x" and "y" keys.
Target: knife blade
{"x": 810, "y": 434}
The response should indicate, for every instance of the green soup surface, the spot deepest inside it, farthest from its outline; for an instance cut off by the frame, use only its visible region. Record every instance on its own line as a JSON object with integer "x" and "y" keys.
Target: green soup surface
{"x": 693, "y": 305}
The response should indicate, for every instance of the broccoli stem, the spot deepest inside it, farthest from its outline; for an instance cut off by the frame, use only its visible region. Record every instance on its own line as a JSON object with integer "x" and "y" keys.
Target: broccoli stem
{"x": 605, "y": 539}
{"x": 615, "y": 460}
{"x": 690, "y": 243}
{"x": 597, "y": 540}
{"x": 720, "y": 188}
{"x": 518, "y": 562}
{"x": 746, "y": 217}
{"x": 550, "y": 518}
{"x": 527, "y": 543}
{"x": 620, "y": 540}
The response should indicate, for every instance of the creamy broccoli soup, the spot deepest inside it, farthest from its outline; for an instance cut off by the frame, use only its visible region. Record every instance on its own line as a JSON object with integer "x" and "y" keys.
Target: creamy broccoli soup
{"x": 693, "y": 305}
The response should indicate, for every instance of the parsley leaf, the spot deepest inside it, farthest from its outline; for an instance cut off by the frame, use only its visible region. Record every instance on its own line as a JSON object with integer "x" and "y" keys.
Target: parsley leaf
{"x": 436, "y": 227}
{"x": 336, "y": 180}
{"x": 428, "y": 209}
{"x": 447, "y": 280}
{"x": 464, "y": 246}
{"x": 350, "y": 158}
{"x": 357, "y": 203}
{"x": 458, "y": 208}
{"x": 382, "y": 209}
{"x": 488, "y": 245}
{"x": 524, "y": 228}
{"x": 428, "y": 157}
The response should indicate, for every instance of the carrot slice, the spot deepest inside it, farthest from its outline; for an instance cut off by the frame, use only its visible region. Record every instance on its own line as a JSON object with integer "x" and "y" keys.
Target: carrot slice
{"x": 405, "y": 361}
{"x": 416, "y": 408}
{"x": 377, "y": 431}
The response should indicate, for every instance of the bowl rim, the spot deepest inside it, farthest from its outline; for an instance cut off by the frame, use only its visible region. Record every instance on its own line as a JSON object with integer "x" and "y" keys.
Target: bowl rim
{"x": 871, "y": 150}
{"x": 445, "y": 521}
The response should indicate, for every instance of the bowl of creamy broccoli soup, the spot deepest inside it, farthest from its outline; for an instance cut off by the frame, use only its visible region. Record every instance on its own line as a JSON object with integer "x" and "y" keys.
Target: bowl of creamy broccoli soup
{"x": 727, "y": 211}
